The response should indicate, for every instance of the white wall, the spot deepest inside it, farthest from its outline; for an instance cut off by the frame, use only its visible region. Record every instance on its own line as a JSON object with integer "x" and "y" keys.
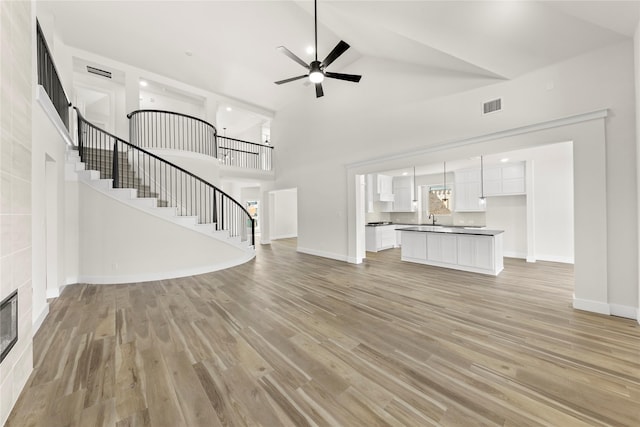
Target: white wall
{"x": 346, "y": 128}
{"x": 636, "y": 46}
{"x": 156, "y": 101}
{"x": 137, "y": 246}
{"x": 16, "y": 144}
{"x": 252, "y": 134}
{"x": 509, "y": 213}
{"x": 284, "y": 214}
{"x": 49, "y": 211}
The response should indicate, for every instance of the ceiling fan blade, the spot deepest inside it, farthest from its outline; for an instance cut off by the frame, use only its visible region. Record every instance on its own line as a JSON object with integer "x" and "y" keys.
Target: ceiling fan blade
{"x": 319, "y": 91}
{"x": 348, "y": 77}
{"x": 293, "y": 56}
{"x": 292, "y": 79}
{"x": 340, "y": 48}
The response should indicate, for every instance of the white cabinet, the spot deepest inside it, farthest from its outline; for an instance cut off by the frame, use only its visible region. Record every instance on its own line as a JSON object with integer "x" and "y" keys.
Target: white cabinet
{"x": 384, "y": 188}
{"x": 380, "y": 238}
{"x": 475, "y": 251}
{"x": 460, "y": 251}
{"x": 442, "y": 248}
{"x": 414, "y": 246}
{"x": 403, "y": 194}
{"x": 505, "y": 180}
{"x": 467, "y": 191}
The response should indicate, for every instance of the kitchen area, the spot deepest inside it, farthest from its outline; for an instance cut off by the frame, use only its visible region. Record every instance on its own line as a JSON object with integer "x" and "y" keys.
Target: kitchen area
{"x": 468, "y": 214}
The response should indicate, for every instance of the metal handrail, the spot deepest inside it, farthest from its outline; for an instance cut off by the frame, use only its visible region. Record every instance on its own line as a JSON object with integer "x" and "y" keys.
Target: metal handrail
{"x": 168, "y": 129}
{"x": 49, "y": 77}
{"x": 133, "y": 167}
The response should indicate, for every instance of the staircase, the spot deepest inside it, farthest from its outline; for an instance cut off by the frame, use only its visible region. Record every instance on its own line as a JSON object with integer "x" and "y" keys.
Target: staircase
{"x": 146, "y": 181}
{"x": 103, "y": 163}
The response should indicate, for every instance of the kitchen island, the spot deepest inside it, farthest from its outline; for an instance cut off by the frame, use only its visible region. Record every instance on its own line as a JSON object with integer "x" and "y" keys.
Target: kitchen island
{"x": 469, "y": 249}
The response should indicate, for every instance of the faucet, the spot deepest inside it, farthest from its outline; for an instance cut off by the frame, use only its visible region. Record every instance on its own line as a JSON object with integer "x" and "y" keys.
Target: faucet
{"x": 433, "y": 218}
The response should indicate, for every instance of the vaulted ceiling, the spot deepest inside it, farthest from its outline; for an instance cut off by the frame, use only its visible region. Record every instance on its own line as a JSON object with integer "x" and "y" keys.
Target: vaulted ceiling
{"x": 406, "y": 50}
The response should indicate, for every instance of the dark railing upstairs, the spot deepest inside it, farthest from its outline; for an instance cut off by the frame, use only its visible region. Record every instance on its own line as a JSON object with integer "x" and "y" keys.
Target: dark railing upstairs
{"x": 169, "y": 130}
{"x": 49, "y": 79}
{"x": 133, "y": 167}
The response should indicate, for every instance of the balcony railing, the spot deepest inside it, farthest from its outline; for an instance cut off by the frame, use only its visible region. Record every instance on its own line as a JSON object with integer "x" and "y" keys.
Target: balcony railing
{"x": 134, "y": 167}
{"x": 158, "y": 129}
{"x": 49, "y": 78}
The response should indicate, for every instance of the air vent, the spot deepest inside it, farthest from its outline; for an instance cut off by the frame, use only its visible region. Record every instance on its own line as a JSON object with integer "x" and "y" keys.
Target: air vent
{"x": 492, "y": 106}
{"x": 98, "y": 71}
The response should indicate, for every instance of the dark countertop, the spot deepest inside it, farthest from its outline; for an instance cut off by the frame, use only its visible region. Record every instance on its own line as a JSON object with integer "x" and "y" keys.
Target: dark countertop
{"x": 385, "y": 223}
{"x": 453, "y": 230}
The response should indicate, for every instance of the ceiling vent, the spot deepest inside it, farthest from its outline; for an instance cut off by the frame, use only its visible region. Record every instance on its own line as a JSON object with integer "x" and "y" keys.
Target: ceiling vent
{"x": 98, "y": 71}
{"x": 492, "y": 106}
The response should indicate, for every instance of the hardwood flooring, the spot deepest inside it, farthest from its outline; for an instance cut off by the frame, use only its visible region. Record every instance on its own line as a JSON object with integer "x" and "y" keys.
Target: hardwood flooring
{"x": 295, "y": 340}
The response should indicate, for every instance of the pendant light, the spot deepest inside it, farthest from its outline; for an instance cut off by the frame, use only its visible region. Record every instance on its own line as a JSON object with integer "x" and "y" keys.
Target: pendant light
{"x": 445, "y": 199}
{"x": 415, "y": 192}
{"x": 483, "y": 200}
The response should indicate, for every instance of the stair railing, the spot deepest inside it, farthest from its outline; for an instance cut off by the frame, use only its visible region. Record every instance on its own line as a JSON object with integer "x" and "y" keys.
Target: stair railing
{"x": 159, "y": 129}
{"x": 173, "y": 186}
{"x": 49, "y": 78}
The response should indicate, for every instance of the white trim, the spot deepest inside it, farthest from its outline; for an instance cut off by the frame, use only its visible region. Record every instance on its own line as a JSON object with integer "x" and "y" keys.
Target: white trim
{"x": 625, "y": 311}
{"x": 284, "y": 236}
{"x": 53, "y": 293}
{"x": 323, "y": 254}
{"x": 531, "y": 259}
{"x": 52, "y": 113}
{"x": 590, "y": 305}
{"x": 149, "y": 277}
{"x": 38, "y": 321}
{"x": 556, "y": 258}
{"x": 521, "y": 255}
{"x": 457, "y": 143}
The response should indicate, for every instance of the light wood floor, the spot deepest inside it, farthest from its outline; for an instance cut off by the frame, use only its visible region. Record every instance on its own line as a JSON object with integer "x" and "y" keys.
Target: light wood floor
{"x": 294, "y": 340}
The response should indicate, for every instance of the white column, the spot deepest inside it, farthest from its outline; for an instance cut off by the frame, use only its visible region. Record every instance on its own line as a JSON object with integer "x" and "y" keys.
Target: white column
{"x": 131, "y": 102}
{"x": 211, "y": 110}
{"x": 636, "y": 58}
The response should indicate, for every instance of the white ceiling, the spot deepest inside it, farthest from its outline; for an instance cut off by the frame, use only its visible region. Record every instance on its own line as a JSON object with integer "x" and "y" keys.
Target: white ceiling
{"x": 411, "y": 42}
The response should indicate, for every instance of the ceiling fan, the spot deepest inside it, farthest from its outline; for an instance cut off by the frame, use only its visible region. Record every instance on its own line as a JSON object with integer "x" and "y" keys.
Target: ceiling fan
{"x": 316, "y": 68}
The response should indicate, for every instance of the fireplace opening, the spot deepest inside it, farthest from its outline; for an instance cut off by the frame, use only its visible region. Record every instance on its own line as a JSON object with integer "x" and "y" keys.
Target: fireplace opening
{"x": 8, "y": 324}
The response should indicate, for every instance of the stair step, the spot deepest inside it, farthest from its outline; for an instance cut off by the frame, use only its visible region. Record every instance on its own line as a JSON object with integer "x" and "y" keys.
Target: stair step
{"x": 106, "y": 184}
{"x": 123, "y": 193}
{"x": 88, "y": 175}
{"x": 145, "y": 202}
{"x": 169, "y": 212}
{"x": 186, "y": 220}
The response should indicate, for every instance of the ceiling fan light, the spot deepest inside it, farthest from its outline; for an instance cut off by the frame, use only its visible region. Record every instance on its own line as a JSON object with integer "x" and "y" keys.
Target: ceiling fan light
{"x": 316, "y": 77}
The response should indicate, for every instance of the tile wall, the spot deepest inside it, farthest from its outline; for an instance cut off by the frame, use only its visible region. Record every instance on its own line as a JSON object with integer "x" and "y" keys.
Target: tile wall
{"x": 16, "y": 38}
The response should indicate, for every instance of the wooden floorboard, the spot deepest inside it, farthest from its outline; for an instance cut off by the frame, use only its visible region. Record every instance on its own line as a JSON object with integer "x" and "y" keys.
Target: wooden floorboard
{"x": 289, "y": 339}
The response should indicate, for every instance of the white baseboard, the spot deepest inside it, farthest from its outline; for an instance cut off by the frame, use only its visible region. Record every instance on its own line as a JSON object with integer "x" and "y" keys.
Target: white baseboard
{"x": 531, "y": 259}
{"x": 625, "y": 311}
{"x": 618, "y": 310}
{"x": 38, "y": 322}
{"x": 521, "y": 255}
{"x": 53, "y": 293}
{"x": 590, "y": 305}
{"x": 284, "y": 236}
{"x": 149, "y": 277}
{"x": 323, "y": 254}
{"x": 555, "y": 258}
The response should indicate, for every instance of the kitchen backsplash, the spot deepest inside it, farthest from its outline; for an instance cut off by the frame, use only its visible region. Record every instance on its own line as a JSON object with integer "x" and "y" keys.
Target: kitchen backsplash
{"x": 378, "y": 216}
{"x": 457, "y": 218}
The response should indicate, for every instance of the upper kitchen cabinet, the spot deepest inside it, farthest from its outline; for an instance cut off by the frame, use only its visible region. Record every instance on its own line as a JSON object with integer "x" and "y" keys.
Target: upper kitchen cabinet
{"x": 505, "y": 180}
{"x": 383, "y": 188}
{"x": 467, "y": 191}
{"x": 379, "y": 193}
{"x": 403, "y": 193}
